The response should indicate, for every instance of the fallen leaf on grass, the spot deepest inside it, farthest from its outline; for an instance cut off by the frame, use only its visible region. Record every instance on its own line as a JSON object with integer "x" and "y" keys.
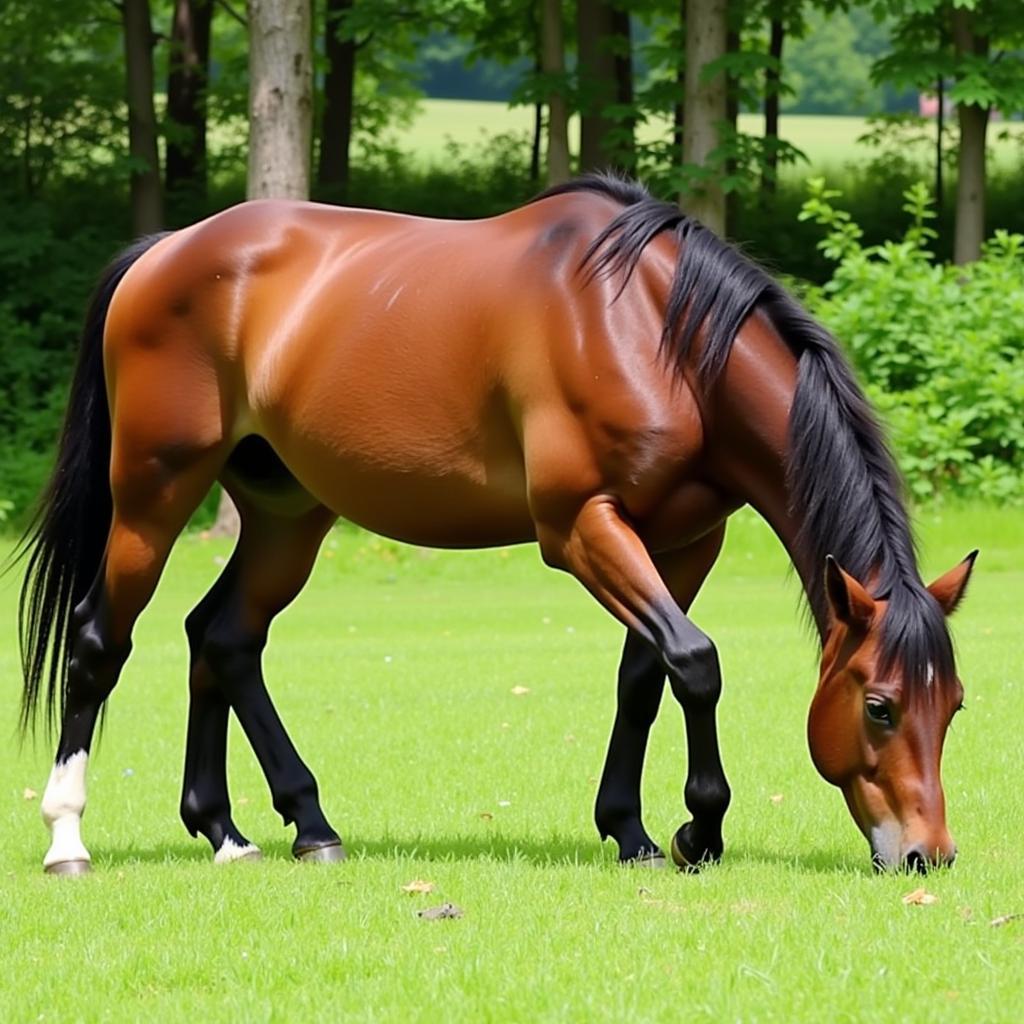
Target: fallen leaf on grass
{"x": 998, "y": 922}
{"x": 418, "y": 885}
{"x": 776, "y": 798}
{"x": 519, "y": 691}
{"x": 29, "y": 794}
{"x": 486, "y": 816}
{"x": 441, "y": 913}
{"x": 920, "y": 898}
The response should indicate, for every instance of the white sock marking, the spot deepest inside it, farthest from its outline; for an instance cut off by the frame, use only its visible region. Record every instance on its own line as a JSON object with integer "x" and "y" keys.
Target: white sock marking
{"x": 62, "y": 809}
{"x": 230, "y": 850}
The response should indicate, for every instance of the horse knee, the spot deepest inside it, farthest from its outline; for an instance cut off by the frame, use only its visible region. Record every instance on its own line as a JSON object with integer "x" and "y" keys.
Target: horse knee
{"x": 95, "y": 660}
{"x": 231, "y": 655}
{"x": 695, "y": 675}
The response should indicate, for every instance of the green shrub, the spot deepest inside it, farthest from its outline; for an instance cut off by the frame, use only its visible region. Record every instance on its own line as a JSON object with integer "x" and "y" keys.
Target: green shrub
{"x": 939, "y": 347}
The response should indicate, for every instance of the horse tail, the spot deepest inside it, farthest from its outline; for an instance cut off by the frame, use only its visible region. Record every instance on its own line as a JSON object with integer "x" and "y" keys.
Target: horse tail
{"x": 67, "y": 534}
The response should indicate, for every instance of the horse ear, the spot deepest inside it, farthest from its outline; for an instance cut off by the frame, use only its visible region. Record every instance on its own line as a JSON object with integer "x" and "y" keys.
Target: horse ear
{"x": 849, "y": 601}
{"x": 949, "y": 589}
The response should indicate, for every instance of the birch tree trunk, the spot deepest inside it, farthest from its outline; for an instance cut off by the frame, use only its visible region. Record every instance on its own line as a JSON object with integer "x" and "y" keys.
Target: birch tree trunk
{"x": 553, "y": 63}
{"x": 280, "y": 123}
{"x": 147, "y": 197}
{"x": 704, "y": 107}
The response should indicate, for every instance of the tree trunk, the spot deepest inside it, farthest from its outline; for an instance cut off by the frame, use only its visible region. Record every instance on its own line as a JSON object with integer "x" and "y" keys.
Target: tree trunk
{"x": 732, "y": 115}
{"x": 704, "y": 109}
{"x": 597, "y": 82}
{"x": 553, "y": 63}
{"x": 623, "y": 62}
{"x": 677, "y": 110}
{"x": 147, "y": 199}
{"x": 339, "y": 87}
{"x": 973, "y": 120}
{"x": 188, "y": 71}
{"x": 280, "y": 122}
{"x": 280, "y": 98}
{"x": 772, "y": 85}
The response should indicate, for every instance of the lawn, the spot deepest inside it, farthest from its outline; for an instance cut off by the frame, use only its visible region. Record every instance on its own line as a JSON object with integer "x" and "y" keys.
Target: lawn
{"x": 395, "y": 674}
{"x": 829, "y": 142}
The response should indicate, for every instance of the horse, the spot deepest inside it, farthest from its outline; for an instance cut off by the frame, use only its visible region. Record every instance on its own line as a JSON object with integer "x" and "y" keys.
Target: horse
{"x": 594, "y": 372}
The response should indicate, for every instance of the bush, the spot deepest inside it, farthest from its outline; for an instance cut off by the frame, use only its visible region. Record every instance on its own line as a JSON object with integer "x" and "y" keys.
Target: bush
{"x": 939, "y": 347}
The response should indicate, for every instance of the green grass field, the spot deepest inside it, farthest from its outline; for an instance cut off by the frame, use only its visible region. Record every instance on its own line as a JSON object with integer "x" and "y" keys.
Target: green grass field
{"x": 394, "y": 673}
{"x": 829, "y": 142}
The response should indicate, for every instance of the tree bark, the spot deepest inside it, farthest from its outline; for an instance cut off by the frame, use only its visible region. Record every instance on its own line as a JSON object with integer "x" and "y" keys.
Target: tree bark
{"x": 280, "y": 99}
{"x": 677, "y": 110}
{"x": 147, "y": 198}
{"x": 973, "y": 121}
{"x": 280, "y": 122}
{"x": 732, "y": 115}
{"x": 339, "y": 90}
{"x": 772, "y": 85}
{"x": 553, "y": 63}
{"x": 597, "y": 82}
{"x": 623, "y": 63}
{"x": 188, "y": 72}
{"x": 704, "y": 108}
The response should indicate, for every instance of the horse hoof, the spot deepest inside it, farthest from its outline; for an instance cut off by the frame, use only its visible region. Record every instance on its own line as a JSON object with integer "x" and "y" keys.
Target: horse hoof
{"x": 685, "y": 858}
{"x": 232, "y": 853}
{"x": 328, "y": 854}
{"x": 69, "y": 867}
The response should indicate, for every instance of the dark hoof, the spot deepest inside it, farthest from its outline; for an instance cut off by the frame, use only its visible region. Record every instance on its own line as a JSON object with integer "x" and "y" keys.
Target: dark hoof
{"x": 687, "y": 856}
{"x": 69, "y": 867}
{"x": 328, "y": 854}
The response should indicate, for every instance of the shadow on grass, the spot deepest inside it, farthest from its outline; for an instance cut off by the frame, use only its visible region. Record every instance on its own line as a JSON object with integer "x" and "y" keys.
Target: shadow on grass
{"x": 555, "y": 851}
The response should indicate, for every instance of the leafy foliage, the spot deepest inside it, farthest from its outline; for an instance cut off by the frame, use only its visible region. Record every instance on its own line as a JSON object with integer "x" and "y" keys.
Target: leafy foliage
{"x": 939, "y": 347}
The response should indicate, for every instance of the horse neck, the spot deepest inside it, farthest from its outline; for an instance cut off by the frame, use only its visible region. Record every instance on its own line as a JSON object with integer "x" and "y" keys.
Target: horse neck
{"x": 754, "y": 400}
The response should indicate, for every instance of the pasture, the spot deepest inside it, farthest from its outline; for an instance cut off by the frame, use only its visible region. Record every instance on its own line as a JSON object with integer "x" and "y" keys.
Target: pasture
{"x": 400, "y": 674}
{"x": 830, "y": 142}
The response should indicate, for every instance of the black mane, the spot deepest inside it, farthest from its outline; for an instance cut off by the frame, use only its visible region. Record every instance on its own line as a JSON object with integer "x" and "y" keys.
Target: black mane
{"x": 844, "y": 487}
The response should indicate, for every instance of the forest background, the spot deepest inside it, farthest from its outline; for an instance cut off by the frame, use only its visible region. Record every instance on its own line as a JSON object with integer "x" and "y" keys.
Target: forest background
{"x": 901, "y": 232}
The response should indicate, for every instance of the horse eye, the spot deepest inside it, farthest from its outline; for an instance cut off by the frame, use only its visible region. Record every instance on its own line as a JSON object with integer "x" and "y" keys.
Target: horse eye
{"x": 878, "y": 711}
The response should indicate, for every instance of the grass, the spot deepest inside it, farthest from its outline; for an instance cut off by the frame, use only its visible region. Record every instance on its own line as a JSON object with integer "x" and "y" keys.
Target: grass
{"x": 829, "y": 142}
{"x": 394, "y": 673}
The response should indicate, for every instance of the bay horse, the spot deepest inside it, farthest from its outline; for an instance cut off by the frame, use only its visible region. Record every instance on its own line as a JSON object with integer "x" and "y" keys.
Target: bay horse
{"x": 594, "y": 372}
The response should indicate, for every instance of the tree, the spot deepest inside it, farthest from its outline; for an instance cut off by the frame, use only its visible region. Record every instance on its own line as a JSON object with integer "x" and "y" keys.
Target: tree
{"x": 553, "y": 68}
{"x": 187, "y": 75}
{"x": 339, "y": 90}
{"x": 147, "y": 198}
{"x": 977, "y": 44}
{"x": 280, "y": 123}
{"x": 280, "y": 99}
{"x": 704, "y": 110}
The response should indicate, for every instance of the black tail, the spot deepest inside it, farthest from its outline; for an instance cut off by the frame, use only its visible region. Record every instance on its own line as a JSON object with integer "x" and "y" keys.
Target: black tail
{"x": 67, "y": 536}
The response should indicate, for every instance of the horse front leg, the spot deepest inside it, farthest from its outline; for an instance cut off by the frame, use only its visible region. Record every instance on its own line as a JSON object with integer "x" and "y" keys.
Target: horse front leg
{"x": 617, "y": 811}
{"x": 603, "y": 551}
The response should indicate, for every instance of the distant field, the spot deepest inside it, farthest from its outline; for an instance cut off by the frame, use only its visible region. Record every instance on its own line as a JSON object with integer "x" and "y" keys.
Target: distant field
{"x": 829, "y": 142}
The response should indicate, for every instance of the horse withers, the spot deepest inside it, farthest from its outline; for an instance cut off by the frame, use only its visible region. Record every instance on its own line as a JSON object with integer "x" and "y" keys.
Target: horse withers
{"x": 594, "y": 372}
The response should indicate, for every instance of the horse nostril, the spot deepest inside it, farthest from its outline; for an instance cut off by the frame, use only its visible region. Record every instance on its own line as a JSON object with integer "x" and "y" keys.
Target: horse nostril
{"x": 915, "y": 860}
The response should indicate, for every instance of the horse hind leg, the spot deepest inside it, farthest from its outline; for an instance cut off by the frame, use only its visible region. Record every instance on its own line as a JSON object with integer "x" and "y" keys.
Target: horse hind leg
{"x": 152, "y": 502}
{"x": 227, "y": 633}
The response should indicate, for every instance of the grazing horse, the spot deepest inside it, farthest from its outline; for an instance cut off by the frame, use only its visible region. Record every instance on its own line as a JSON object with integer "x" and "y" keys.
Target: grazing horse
{"x": 595, "y": 372}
